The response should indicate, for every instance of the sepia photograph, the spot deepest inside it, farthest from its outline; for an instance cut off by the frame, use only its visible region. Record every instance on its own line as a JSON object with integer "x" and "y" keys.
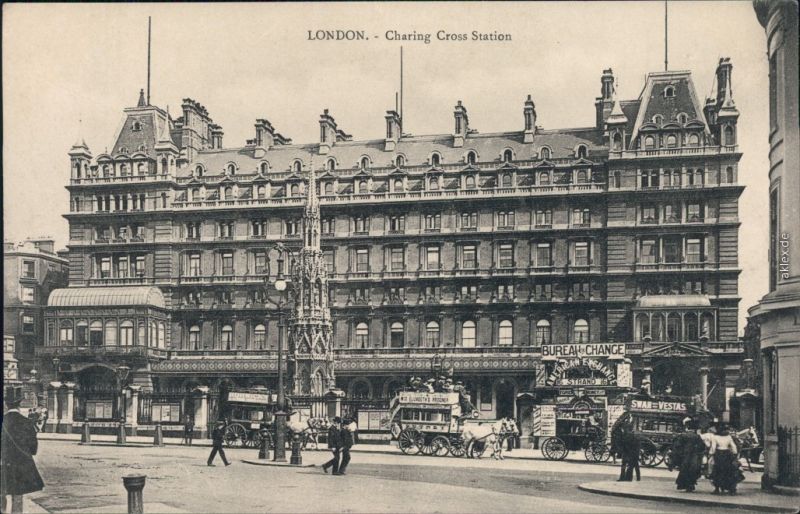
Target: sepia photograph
{"x": 419, "y": 257}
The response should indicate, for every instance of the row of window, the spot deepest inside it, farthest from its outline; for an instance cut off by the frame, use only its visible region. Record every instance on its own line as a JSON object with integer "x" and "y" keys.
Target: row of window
{"x": 675, "y": 212}
{"x": 671, "y": 249}
{"x": 674, "y": 326}
{"x": 108, "y": 333}
{"x": 121, "y": 202}
{"x": 672, "y": 140}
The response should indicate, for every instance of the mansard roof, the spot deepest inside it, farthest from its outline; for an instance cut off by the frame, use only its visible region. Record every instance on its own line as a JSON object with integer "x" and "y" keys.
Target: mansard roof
{"x": 107, "y": 297}
{"x": 415, "y": 149}
{"x": 151, "y": 121}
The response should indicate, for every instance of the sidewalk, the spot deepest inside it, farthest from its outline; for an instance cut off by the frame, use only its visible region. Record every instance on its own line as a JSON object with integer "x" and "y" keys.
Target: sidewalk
{"x": 749, "y": 495}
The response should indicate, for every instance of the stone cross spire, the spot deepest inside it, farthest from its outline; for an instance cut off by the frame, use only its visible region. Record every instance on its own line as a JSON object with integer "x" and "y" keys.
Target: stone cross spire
{"x": 310, "y": 331}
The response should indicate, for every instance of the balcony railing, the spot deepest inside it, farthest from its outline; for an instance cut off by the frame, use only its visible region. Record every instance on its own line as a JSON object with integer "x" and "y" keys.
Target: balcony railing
{"x": 673, "y": 152}
{"x": 99, "y": 351}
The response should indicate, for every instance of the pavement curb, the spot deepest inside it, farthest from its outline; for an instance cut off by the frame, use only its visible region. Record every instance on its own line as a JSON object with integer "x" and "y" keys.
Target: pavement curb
{"x": 685, "y": 500}
{"x": 276, "y": 464}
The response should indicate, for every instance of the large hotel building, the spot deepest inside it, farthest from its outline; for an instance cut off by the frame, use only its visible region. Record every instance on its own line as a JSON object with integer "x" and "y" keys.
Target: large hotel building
{"x": 542, "y": 266}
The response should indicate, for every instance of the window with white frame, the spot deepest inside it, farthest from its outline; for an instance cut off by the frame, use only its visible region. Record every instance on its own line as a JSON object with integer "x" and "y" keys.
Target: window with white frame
{"x": 432, "y": 334}
{"x": 505, "y": 255}
{"x": 433, "y": 222}
{"x": 505, "y": 219}
{"x": 469, "y": 220}
{"x": 542, "y": 255}
{"x": 469, "y": 256}
{"x": 544, "y": 218}
{"x": 360, "y": 225}
{"x": 505, "y": 335}
{"x": 259, "y": 336}
{"x": 397, "y": 224}
{"x": 227, "y": 337}
{"x": 29, "y": 294}
{"x": 432, "y": 261}
{"x": 581, "y": 257}
{"x": 194, "y": 265}
{"x": 580, "y": 332}
{"x": 362, "y": 260}
{"x": 362, "y": 335}
{"x": 468, "y": 334}
{"x": 397, "y": 258}
{"x": 542, "y": 332}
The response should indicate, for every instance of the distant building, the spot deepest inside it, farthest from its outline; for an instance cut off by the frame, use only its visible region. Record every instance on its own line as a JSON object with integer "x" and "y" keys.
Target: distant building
{"x": 558, "y": 268}
{"x": 31, "y": 270}
{"x": 778, "y": 313}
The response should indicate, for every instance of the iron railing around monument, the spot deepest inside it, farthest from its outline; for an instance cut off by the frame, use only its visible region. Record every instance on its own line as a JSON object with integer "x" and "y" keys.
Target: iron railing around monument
{"x": 789, "y": 456}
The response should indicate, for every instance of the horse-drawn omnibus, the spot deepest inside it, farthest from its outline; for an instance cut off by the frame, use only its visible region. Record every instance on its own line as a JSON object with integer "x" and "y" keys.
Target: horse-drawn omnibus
{"x": 245, "y": 411}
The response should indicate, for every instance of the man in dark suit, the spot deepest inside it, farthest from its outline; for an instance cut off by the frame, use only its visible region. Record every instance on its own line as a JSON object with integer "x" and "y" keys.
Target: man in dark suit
{"x": 188, "y": 430}
{"x": 347, "y": 443}
{"x": 334, "y": 445}
{"x": 18, "y": 473}
{"x": 217, "y": 440}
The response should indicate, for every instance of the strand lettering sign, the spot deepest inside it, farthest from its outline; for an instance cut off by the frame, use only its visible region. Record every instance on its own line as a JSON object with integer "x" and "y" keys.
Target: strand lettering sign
{"x": 579, "y": 351}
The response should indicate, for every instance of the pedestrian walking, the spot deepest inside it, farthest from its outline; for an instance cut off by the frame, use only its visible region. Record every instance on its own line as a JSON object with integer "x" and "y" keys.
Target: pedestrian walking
{"x": 725, "y": 473}
{"x": 348, "y": 427}
{"x": 334, "y": 445}
{"x": 188, "y": 430}
{"x": 217, "y": 440}
{"x": 708, "y": 459}
{"x": 18, "y": 473}
{"x": 687, "y": 455}
{"x": 628, "y": 448}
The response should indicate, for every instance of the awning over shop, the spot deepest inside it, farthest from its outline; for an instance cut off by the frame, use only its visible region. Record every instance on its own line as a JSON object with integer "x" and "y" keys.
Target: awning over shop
{"x": 107, "y": 297}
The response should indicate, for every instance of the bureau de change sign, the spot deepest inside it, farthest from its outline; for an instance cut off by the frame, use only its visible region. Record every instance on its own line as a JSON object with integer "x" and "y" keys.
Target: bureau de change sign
{"x": 582, "y": 351}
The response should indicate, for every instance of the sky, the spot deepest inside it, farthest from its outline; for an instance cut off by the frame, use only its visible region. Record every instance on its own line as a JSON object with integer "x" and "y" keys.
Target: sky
{"x": 70, "y": 70}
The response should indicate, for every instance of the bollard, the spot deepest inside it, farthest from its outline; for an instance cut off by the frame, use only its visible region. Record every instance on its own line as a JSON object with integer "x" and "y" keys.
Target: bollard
{"x": 263, "y": 451}
{"x": 86, "y": 436}
{"x": 158, "y": 437}
{"x": 296, "y": 458}
{"x": 121, "y": 433}
{"x": 134, "y": 485}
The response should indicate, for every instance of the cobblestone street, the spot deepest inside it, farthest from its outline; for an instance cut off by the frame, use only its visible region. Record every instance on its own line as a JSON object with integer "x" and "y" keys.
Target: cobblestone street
{"x": 88, "y": 478}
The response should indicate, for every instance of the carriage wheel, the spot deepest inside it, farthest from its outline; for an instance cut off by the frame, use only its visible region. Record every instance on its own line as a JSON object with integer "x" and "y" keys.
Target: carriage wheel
{"x": 254, "y": 440}
{"x": 235, "y": 435}
{"x": 648, "y": 454}
{"x": 554, "y": 448}
{"x": 441, "y": 446}
{"x": 597, "y": 452}
{"x": 478, "y": 449}
{"x": 666, "y": 454}
{"x": 425, "y": 444}
{"x": 457, "y": 448}
{"x": 407, "y": 441}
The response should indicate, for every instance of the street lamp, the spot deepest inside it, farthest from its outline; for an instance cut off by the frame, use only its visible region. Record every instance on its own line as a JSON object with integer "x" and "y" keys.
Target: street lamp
{"x": 122, "y": 375}
{"x": 280, "y": 416}
{"x": 56, "y": 369}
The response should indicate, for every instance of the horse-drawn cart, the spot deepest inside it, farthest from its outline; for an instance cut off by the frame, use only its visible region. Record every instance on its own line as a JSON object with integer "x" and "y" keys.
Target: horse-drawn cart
{"x": 428, "y": 423}
{"x": 576, "y": 434}
{"x": 246, "y": 411}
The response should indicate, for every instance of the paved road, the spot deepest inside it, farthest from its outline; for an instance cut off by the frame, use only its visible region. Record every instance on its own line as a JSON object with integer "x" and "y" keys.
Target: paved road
{"x": 89, "y": 477}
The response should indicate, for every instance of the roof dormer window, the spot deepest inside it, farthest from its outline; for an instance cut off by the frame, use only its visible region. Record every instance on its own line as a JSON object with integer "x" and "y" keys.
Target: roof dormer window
{"x": 264, "y": 168}
{"x": 297, "y": 166}
{"x": 435, "y": 159}
{"x": 669, "y": 92}
{"x": 544, "y": 153}
{"x": 136, "y": 127}
{"x": 581, "y": 152}
{"x": 508, "y": 156}
{"x": 231, "y": 169}
{"x": 658, "y": 119}
{"x": 198, "y": 171}
{"x": 472, "y": 157}
{"x": 364, "y": 163}
{"x": 683, "y": 118}
{"x": 400, "y": 161}
{"x": 331, "y": 165}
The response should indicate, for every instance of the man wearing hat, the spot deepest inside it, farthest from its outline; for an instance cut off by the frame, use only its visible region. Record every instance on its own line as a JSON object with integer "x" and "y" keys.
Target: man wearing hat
{"x": 18, "y": 473}
{"x": 217, "y": 439}
{"x": 347, "y": 441}
{"x": 334, "y": 445}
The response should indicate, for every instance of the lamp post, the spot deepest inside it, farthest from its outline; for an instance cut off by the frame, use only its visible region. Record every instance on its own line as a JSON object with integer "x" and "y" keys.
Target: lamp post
{"x": 280, "y": 416}
{"x": 56, "y": 368}
{"x": 122, "y": 375}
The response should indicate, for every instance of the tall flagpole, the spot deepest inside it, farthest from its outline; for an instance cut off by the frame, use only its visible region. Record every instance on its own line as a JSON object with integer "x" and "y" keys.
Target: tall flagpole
{"x": 666, "y": 38}
{"x": 148, "y": 60}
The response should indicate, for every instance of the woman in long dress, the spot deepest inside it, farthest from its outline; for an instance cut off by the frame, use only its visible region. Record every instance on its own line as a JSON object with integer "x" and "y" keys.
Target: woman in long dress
{"x": 724, "y": 475}
{"x": 688, "y": 450}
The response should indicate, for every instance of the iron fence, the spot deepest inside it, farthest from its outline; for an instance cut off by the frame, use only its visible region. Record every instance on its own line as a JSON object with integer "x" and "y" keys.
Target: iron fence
{"x": 788, "y": 456}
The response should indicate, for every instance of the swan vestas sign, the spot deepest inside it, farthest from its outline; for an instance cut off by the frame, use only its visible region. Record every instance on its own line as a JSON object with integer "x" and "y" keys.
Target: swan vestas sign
{"x": 582, "y": 351}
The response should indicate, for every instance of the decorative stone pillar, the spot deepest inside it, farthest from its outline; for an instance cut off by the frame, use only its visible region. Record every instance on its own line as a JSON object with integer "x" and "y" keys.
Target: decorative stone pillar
{"x": 65, "y": 424}
{"x": 52, "y": 406}
{"x": 201, "y": 411}
{"x": 704, "y": 385}
{"x": 132, "y": 408}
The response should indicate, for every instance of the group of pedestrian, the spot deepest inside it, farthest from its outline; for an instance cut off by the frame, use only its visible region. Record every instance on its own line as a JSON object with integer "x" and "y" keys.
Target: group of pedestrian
{"x": 340, "y": 440}
{"x": 713, "y": 449}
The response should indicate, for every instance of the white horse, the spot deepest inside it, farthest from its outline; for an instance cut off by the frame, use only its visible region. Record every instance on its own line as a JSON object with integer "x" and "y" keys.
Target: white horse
{"x": 307, "y": 430}
{"x": 747, "y": 443}
{"x": 508, "y": 429}
{"x": 487, "y": 434}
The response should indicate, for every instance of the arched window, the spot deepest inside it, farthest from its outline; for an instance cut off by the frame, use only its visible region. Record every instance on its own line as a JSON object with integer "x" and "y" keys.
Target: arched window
{"x": 96, "y": 333}
{"x": 729, "y": 175}
{"x": 508, "y": 156}
{"x": 432, "y": 334}
{"x": 506, "y": 180}
{"x": 360, "y": 390}
{"x": 673, "y": 327}
{"x": 111, "y": 333}
{"x": 730, "y": 140}
{"x": 362, "y": 187}
{"x": 264, "y": 167}
{"x": 472, "y": 157}
{"x": 694, "y": 140}
{"x": 469, "y": 182}
{"x": 261, "y": 192}
{"x": 328, "y": 188}
{"x": 137, "y": 126}
{"x": 691, "y": 326}
{"x": 400, "y": 161}
{"x": 194, "y": 338}
{"x": 683, "y": 118}
{"x": 65, "y": 333}
{"x": 649, "y": 143}
{"x": 505, "y": 335}
{"x": 297, "y": 167}
{"x": 433, "y": 184}
{"x": 163, "y": 200}
{"x": 396, "y": 337}
{"x": 126, "y": 333}
{"x": 544, "y": 178}
{"x": 580, "y": 153}
{"x": 643, "y": 320}
{"x": 77, "y": 170}
{"x": 229, "y": 193}
{"x": 198, "y": 170}
{"x": 195, "y": 194}
{"x": 295, "y": 190}
{"x": 580, "y": 332}
{"x": 231, "y": 169}
{"x": 398, "y": 185}
{"x": 140, "y": 168}
{"x": 162, "y": 335}
{"x": 364, "y": 163}
{"x": 106, "y": 170}
{"x": 331, "y": 165}
{"x": 544, "y": 153}
{"x": 581, "y": 177}
{"x": 542, "y": 332}
{"x": 227, "y": 337}
{"x": 259, "y": 337}
{"x": 468, "y": 334}
{"x": 669, "y": 92}
{"x": 657, "y": 119}
{"x": 616, "y": 142}
{"x": 672, "y": 141}
{"x": 362, "y": 335}
{"x": 436, "y": 159}
{"x": 123, "y": 170}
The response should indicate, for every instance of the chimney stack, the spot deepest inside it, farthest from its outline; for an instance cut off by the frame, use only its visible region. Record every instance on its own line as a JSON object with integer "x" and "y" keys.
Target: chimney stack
{"x": 461, "y": 125}
{"x": 327, "y": 132}
{"x": 392, "y": 130}
{"x": 605, "y": 101}
{"x": 530, "y": 120}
